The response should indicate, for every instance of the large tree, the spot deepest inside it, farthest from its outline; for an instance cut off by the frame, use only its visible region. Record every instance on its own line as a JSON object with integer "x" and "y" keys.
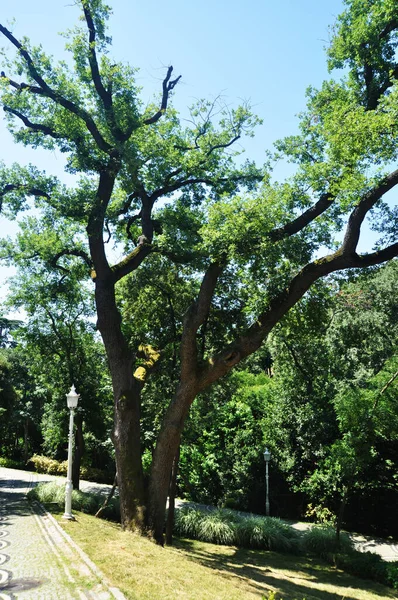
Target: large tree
{"x": 251, "y": 256}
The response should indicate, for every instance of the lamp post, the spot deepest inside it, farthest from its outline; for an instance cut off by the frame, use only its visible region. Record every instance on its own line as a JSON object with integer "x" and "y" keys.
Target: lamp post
{"x": 72, "y": 399}
{"x": 267, "y": 456}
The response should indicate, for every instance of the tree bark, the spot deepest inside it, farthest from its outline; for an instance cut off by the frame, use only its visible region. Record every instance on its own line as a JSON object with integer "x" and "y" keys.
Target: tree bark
{"x": 26, "y": 440}
{"x": 340, "y": 515}
{"x": 172, "y": 497}
{"x": 166, "y": 449}
{"x": 127, "y": 399}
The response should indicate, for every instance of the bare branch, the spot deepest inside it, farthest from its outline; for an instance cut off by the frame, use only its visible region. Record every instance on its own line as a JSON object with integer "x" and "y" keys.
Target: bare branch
{"x": 168, "y": 86}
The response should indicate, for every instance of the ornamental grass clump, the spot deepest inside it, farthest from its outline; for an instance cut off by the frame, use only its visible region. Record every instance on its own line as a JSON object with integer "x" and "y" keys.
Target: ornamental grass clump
{"x": 218, "y": 527}
{"x": 228, "y": 527}
{"x": 267, "y": 533}
{"x": 323, "y": 542}
{"x": 187, "y": 521}
{"x": 54, "y": 493}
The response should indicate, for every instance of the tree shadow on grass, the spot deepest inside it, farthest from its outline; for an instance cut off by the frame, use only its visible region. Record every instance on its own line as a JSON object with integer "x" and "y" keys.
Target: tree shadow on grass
{"x": 293, "y": 577}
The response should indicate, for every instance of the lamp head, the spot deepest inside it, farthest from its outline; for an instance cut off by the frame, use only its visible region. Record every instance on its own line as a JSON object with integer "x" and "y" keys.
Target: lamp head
{"x": 267, "y": 455}
{"x": 72, "y": 398}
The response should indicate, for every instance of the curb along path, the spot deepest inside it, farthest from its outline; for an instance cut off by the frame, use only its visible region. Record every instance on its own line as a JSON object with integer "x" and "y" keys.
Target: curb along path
{"x": 38, "y": 560}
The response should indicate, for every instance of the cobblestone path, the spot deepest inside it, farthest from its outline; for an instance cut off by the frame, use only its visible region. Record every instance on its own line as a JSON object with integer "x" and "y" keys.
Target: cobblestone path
{"x": 37, "y": 561}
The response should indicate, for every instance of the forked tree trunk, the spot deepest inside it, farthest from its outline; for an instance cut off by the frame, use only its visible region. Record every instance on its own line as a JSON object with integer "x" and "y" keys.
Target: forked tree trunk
{"x": 127, "y": 399}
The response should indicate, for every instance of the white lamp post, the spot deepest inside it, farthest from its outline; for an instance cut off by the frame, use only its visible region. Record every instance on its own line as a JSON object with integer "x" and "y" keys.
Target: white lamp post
{"x": 267, "y": 456}
{"x": 72, "y": 399}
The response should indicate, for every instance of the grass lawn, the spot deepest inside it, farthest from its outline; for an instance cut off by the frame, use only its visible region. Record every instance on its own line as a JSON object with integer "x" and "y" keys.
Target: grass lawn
{"x": 193, "y": 570}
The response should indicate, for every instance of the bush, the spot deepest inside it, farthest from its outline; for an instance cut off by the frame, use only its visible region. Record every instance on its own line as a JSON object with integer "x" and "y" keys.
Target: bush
{"x": 50, "y": 466}
{"x": 392, "y": 574}
{"x": 267, "y": 533}
{"x": 322, "y": 541}
{"x": 363, "y": 564}
{"x": 9, "y": 463}
{"x": 217, "y": 527}
{"x": 54, "y": 493}
{"x": 229, "y": 528}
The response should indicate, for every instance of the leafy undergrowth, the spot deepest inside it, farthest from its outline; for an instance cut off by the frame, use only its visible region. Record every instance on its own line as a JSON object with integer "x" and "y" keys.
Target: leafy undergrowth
{"x": 193, "y": 570}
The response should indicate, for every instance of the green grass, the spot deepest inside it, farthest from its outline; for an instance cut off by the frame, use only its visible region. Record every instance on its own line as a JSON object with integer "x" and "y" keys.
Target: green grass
{"x": 195, "y": 570}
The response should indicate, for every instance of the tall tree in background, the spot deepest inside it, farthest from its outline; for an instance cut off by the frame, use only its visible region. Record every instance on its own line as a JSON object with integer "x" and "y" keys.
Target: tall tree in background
{"x": 255, "y": 251}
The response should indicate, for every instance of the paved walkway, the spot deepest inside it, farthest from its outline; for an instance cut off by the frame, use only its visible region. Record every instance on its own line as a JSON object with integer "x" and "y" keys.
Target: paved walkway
{"x": 38, "y": 561}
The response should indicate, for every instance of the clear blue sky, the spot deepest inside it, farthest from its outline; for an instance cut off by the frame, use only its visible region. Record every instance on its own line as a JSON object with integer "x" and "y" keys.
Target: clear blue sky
{"x": 263, "y": 51}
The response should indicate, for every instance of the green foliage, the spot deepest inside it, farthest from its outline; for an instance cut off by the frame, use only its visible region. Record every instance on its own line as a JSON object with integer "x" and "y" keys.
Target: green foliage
{"x": 50, "y": 466}
{"x": 53, "y": 492}
{"x": 43, "y": 464}
{"x": 9, "y": 463}
{"x": 230, "y": 528}
{"x": 368, "y": 565}
{"x": 322, "y": 541}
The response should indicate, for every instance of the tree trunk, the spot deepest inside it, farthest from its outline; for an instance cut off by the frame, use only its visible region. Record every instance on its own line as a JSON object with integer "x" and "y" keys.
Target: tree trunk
{"x": 127, "y": 399}
{"x": 26, "y": 440}
{"x": 78, "y": 453}
{"x": 108, "y": 498}
{"x": 172, "y": 497}
{"x": 340, "y": 515}
{"x": 167, "y": 445}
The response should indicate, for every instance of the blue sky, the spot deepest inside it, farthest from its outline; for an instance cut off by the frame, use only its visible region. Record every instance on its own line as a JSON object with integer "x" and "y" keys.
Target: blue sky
{"x": 263, "y": 51}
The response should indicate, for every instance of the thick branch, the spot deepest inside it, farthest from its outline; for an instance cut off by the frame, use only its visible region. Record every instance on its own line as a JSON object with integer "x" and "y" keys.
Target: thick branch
{"x": 302, "y": 220}
{"x": 195, "y": 316}
{"x": 33, "y": 126}
{"x": 104, "y": 94}
{"x": 72, "y": 252}
{"x": 47, "y": 91}
{"x": 359, "y": 213}
{"x": 245, "y": 345}
{"x": 131, "y": 262}
{"x": 168, "y": 86}
{"x": 95, "y": 74}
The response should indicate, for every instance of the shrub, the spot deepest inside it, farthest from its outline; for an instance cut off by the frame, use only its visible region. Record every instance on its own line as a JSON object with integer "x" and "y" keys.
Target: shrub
{"x": 9, "y": 463}
{"x": 186, "y": 522}
{"x": 363, "y": 564}
{"x": 322, "y": 541}
{"x": 50, "y": 466}
{"x": 392, "y": 574}
{"x": 266, "y": 533}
